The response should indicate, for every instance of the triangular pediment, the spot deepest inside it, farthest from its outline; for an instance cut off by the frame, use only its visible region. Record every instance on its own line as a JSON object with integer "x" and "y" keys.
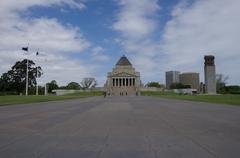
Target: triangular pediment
{"x": 123, "y": 74}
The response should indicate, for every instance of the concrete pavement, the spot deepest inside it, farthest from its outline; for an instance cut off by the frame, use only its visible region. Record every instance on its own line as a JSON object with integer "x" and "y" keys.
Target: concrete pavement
{"x": 120, "y": 127}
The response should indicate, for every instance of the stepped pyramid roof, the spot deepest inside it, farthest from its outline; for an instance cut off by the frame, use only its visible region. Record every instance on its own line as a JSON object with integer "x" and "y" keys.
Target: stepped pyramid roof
{"x": 123, "y": 61}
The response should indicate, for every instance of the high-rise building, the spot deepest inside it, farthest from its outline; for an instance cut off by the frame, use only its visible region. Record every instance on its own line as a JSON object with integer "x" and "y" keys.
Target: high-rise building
{"x": 172, "y": 77}
{"x": 191, "y": 79}
{"x": 210, "y": 74}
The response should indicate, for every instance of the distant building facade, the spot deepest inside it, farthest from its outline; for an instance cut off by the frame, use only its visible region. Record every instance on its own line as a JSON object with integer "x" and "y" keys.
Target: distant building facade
{"x": 191, "y": 78}
{"x": 210, "y": 74}
{"x": 123, "y": 80}
{"x": 171, "y": 77}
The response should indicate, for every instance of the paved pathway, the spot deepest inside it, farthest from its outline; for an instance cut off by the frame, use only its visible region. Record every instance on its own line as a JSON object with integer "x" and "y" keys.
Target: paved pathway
{"x": 120, "y": 127}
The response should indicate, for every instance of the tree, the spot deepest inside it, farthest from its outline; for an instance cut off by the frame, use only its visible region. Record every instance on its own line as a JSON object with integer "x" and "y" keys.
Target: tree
{"x": 6, "y": 84}
{"x": 221, "y": 82}
{"x": 179, "y": 86}
{"x": 88, "y": 83}
{"x": 154, "y": 84}
{"x": 15, "y": 79}
{"x": 52, "y": 85}
{"x": 233, "y": 89}
{"x": 73, "y": 85}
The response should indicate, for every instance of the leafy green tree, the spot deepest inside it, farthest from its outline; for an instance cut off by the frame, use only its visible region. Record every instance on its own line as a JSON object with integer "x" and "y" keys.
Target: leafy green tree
{"x": 154, "y": 84}
{"x": 221, "y": 82}
{"x": 52, "y": 85}
{"x": 15, "y": 79}
{"x": 233, "y": 89}
{"x": 179, "y": 86}
{"x": 73, "y": 85}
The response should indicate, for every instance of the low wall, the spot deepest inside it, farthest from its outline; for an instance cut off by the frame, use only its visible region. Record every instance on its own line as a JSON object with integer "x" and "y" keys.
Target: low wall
{"x": 183, "y": 91}
{"x": 153, "y": 89}
{"x": 71, "y": 91}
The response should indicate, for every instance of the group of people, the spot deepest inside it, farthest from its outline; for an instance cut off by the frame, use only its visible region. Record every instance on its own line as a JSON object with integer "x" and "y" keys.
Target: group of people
{"x": 121, "y": 94}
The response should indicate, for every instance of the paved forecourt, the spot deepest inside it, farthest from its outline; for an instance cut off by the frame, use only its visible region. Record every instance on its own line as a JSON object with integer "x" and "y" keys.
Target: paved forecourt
{"x": 120, "y": 127}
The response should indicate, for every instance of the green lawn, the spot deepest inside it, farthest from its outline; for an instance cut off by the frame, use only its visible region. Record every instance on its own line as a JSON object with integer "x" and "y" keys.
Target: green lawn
{"x": 221, "y": 99}
{"x": 13, "y": 99}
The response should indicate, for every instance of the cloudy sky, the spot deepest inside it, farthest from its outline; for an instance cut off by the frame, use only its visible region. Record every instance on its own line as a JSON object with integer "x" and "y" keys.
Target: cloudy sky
{"x": 85, "y": 38}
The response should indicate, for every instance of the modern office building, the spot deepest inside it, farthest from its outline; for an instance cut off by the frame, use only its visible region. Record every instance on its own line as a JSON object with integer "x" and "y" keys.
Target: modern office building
{"x": 172, "y": 77}
{"x": 191, "y": 79}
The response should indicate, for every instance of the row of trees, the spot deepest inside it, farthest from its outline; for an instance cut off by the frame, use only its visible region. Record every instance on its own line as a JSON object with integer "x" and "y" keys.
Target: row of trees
{"x": 179, "y": 86}
{"x": 14, "y": 81}
{"x": 222, "y": 88}
{"x": 172, "y": 86}
{"x": 86, "y": 83}
{"x": 154, "y": 84}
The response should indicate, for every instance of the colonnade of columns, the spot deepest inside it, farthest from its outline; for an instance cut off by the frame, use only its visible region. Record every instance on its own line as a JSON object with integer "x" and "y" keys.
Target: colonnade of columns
{"x": 119, "y": 82}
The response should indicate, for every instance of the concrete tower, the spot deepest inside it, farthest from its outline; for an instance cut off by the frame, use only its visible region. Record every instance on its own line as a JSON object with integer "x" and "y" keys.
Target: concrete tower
{"x": 210, "y": 74}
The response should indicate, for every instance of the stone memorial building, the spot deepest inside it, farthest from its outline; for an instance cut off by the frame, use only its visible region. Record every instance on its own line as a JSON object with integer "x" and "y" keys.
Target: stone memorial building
{"x": 123, "y": 80}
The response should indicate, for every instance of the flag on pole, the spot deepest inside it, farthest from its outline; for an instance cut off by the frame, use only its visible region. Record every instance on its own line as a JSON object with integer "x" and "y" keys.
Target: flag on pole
{"x": 25, "y": 48}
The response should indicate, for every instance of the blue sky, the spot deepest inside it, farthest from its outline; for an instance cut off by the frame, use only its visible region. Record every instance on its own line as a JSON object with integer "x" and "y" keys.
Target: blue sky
{"x": 85, "y": 38}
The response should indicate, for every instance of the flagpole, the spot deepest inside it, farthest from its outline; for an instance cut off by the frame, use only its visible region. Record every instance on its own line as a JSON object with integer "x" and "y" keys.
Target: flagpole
{"x": 37, "y": 83}
{"x": 27, "y": 79}
{"x": 26, "y": 49}
{"x": 37, "y": 77}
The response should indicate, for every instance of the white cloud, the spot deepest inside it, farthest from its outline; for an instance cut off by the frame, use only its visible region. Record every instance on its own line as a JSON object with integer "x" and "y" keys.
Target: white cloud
{"x": 137, "y": 22}
{"x": 11, "y": 6}
{"x": 53, "y": 39}
{"x": 97, "y": 53}
{"x": 47, "y": 34}
{"x": 195, "y": 29}
{"x": 135, "y": 18}
{"x": 205, "y": 27}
